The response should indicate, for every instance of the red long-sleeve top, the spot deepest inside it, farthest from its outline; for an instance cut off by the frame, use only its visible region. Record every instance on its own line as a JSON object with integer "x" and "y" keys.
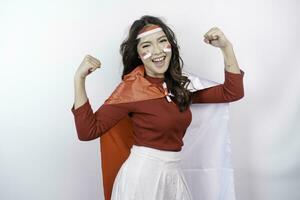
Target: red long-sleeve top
{"x": 157, "y": 123}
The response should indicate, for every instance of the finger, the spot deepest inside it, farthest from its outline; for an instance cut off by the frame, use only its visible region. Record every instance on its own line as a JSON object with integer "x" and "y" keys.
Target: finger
{"x": 214, "y": 35}
{"x": 91, "y": 70}
{"x": 93, "y": 59}
{"x": 206, "y": 40}
{"x": 218, "y": 32}
{"x": 88, "y": 56}
{"x": 94, "y": 69}
{"x": 212, "y": 31}
{"x": 207, "y": 34}
{"x": 211, "y": 37}
{"x": 95, "y": 63}
{"x": 90, "y": 65}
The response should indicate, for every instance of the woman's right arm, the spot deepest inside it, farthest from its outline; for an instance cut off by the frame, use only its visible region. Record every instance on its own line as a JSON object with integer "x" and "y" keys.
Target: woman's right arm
{"x": 88, "y": 65}
{"x": 91, "y": 125}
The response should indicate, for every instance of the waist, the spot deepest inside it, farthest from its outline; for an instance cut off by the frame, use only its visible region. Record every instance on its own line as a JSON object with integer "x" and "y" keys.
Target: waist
{"x": 169, "y": 156}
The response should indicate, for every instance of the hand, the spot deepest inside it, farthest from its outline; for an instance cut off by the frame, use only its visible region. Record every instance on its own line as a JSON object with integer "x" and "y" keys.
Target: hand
{"x": 216, "y": 38}
{"x": 87, "y": 66}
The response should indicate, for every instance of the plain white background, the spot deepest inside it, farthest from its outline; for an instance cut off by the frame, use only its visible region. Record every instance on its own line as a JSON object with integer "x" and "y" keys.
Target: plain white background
{"x": 43, "y": 42}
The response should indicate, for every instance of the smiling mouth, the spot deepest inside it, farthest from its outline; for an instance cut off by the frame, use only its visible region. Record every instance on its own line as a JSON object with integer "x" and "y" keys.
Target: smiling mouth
{"x": 159, "y": 59}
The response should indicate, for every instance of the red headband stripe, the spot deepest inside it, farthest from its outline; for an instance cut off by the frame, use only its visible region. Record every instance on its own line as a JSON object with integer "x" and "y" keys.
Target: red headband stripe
{"x": 148, "y": 29}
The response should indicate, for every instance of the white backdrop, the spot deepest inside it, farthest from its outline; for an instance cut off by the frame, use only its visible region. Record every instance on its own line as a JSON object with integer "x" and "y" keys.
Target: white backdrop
{"x": 43, "y": 42}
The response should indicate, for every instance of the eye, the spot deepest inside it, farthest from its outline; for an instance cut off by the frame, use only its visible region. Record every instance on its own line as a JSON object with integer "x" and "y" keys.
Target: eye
{"x": 145, "y": 46}
{"x": 164, "y": 40}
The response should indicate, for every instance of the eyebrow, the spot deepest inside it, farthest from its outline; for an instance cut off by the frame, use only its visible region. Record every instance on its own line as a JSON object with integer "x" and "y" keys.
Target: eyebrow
{"x": 157, "y": 39}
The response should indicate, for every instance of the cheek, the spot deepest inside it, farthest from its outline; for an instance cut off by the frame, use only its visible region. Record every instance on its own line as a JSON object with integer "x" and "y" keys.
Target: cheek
{"x": 146, "y": 55}
{"x": 167, "y": 48}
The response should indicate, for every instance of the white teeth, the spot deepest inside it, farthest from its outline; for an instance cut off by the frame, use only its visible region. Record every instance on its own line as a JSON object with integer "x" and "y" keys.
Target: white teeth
{"x": 158, "y": 59}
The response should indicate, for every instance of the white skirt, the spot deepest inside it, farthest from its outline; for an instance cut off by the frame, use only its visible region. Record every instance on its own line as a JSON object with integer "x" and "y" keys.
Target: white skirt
{"x": 151, "y": 174}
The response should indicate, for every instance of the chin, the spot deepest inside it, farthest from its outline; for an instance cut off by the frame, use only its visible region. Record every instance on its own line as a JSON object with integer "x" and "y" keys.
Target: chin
{"x": 160, "y": 70}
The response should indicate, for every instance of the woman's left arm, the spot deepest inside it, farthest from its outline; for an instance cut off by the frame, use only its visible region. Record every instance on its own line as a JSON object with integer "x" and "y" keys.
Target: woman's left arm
{"x": 232, "y": 89}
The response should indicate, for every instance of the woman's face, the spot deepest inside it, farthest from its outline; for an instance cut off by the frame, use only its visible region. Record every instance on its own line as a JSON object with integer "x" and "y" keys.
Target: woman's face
{"x": 155, "y": 52}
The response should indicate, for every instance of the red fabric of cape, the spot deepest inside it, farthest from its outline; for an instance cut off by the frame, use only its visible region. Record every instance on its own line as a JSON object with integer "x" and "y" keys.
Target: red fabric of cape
{"x": 116, "y": 143}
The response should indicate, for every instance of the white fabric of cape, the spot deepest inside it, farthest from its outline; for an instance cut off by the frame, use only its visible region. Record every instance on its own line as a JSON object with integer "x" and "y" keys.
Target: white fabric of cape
{"x": 206, "y": 154}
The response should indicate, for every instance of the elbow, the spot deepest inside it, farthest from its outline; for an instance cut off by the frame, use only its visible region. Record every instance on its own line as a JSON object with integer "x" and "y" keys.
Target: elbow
{"x": 233, "y": 93}
{"x": 238, "y": 96}
{"x": 241, "y": 93}
{"x": 83, "y": 138}
{"x": 86, "y": 135}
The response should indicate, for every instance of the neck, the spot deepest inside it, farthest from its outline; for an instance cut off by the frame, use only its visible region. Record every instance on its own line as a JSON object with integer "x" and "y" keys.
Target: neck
{"x": 153, "y": 79}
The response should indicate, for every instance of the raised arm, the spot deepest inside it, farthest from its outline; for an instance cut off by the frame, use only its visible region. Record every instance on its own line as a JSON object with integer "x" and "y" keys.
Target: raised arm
{"x": 232, "y": 89}
{"x": 91, "y": 125}
{"x": 88, "y": 65}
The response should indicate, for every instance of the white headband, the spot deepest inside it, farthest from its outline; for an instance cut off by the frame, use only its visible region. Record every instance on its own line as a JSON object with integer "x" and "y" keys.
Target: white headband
{"x": 143, "y": 34}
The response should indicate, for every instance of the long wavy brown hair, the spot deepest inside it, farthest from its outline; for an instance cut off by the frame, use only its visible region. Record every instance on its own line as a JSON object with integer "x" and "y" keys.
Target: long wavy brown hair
{"x": 175, "y": 80}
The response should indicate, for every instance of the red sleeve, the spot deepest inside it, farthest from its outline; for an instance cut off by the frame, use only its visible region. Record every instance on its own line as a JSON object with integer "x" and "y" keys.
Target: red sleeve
{"x": 91, "y": 125}
{"x": 231, "y": 90}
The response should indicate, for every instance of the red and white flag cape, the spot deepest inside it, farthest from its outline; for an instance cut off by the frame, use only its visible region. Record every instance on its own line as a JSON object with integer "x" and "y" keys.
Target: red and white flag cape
{"x": 206, "y": 154}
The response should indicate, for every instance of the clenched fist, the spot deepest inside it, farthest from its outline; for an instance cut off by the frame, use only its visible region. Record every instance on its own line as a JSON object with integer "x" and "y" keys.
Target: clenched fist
{"x": 216, "y": 38}
{"x": 87, "y": 66}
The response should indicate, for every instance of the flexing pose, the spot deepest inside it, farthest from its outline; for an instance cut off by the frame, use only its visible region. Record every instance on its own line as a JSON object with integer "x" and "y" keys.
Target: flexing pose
{"x": 142, "y": 124}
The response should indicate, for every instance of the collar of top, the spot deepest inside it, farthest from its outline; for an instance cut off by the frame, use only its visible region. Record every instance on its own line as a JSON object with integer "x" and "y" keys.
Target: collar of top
{"x": 151, "y": 79}
{"x": 148, "y": 29}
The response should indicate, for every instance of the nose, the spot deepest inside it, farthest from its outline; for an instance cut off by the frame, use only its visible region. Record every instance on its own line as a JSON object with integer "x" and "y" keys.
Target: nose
{"x": 157, "y": 49}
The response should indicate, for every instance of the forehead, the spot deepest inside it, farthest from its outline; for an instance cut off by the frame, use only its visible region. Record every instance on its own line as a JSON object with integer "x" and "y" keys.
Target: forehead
{"x": 153, "y": 36}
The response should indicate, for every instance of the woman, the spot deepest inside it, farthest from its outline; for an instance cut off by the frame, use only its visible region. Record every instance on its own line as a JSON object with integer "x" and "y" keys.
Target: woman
{"x": 154, "y": 96}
